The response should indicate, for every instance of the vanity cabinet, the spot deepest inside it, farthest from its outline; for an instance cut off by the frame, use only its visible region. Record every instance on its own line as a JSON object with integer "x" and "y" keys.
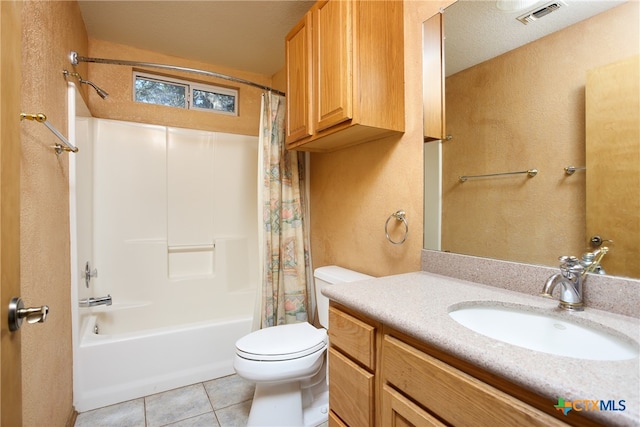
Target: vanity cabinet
{"x": 352, "y": 366}
{"x": 448, "y": 393}
{"x": 345, "y": 74}
{"x": 381, "y": 377}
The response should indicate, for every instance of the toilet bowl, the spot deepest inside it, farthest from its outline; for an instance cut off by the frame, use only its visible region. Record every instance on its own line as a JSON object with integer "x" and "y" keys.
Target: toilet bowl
{"x": 288, "y": 364}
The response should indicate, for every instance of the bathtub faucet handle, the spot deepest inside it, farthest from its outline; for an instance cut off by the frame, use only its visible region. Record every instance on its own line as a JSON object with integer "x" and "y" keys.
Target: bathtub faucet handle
{"x": 89, "y": 273}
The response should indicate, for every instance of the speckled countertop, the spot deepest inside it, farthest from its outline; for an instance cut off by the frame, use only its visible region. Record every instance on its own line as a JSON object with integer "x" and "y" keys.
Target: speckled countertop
{"x": 418, "y": 305}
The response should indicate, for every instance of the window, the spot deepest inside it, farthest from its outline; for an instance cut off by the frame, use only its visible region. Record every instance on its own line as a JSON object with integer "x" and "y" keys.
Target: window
{"x": 152, "y": 89}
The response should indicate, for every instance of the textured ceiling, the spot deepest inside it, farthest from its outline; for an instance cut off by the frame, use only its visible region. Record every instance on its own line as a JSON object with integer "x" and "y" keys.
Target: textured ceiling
{"x": 475, "y": 30}
{"x": 244, "y": 35}
{"x": 249, "y": 35}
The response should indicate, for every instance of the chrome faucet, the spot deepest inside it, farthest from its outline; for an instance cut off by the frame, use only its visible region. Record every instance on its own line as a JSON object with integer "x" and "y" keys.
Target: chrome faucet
{"x": 571, "y": 279}
{"x": 92, "y": 302}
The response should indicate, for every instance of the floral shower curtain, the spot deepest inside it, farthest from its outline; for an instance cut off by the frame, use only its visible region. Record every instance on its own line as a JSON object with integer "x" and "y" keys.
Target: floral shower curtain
{"x": 287, "y": 282}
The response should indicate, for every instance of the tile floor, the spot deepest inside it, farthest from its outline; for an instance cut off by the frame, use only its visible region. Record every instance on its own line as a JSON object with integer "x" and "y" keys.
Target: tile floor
{"x": 223, "y": 402}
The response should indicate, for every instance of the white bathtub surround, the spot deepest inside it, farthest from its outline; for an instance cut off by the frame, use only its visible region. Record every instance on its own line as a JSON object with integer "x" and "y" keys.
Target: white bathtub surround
{"x": 167, "y": 216}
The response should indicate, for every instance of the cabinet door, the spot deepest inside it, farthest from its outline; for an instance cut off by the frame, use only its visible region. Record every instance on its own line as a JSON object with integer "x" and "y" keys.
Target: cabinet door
{"x": 352, "y": 391}
{"x": 333, "y": 79}
{"x": 335, "y": 421}
{"x": 353, "y": 336}
{"x": 398, "y": 411}
{"x": 433, "y": 78}
{"x": 458, "y": 398}
{"x": 298, "y": 49}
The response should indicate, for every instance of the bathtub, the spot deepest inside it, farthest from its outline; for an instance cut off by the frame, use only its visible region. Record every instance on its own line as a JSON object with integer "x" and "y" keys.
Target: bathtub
{"x": 120, "y": 363}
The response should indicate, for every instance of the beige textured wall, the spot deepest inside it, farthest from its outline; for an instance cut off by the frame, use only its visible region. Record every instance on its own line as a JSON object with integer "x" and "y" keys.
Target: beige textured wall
{"x": 539, "y": 122}
{"x": 50, "y": 31}
{"x": 10, "y": 77}
{"x": 354, "y": 190}
{"x": 117, "y": 80}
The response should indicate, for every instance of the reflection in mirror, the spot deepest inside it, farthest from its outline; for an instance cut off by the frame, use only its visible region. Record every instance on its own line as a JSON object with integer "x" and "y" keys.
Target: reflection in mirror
{"x": 525, "y": 109}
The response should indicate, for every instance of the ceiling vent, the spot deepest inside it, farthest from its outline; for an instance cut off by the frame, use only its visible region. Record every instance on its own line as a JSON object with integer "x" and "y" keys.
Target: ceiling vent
{"x": 541, "y": 11}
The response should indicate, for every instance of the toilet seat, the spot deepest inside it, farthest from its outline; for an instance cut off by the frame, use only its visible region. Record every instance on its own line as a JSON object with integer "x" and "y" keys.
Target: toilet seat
{"x": 284, "y": 342}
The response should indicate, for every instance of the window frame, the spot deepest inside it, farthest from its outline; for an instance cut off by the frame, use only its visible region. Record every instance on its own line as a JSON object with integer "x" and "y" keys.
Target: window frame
{"x": 189, "y": 86}
{"x": 214, "y": 89}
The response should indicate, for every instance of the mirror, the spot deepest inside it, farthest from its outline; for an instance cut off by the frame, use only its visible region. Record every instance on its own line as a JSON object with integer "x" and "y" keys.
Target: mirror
{"x": 515, "y": 101}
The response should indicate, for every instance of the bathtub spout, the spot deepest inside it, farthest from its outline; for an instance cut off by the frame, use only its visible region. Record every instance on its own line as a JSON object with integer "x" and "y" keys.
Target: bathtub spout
{"x": 92, "y": 302}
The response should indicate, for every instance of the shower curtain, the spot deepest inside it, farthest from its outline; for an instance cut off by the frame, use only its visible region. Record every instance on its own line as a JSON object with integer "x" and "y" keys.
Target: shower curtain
{"x": 285, "y": 274}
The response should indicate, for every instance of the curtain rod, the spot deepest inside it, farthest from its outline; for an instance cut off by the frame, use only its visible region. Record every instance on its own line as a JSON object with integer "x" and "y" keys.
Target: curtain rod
{"x": 74, "y": 58}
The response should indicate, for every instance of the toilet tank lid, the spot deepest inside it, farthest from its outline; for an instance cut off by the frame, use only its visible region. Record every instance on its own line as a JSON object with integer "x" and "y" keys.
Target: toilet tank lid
{"x": 335, "y": 274}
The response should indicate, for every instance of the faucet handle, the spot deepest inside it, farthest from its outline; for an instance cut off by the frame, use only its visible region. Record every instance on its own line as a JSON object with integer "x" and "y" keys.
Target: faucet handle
{"x": 568, "y": 260}
{"x": 570, "y": 266}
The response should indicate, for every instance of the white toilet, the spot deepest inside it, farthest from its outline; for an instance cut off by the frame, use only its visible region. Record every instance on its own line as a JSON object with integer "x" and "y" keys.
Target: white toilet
{"x": 288, "y": 364}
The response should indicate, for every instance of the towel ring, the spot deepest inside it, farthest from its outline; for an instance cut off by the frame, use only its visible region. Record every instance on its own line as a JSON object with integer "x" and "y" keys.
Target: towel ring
{"x": 400, "y": 216}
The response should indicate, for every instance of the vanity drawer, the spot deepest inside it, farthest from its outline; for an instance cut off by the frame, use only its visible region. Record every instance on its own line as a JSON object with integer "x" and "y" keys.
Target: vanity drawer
{"x": 458, "y": 398}
{"x": 353, "y": 397}
{"x": 399, "y": 411}
{"x": 353, "y": 336}
{"x": 335, "y": 421}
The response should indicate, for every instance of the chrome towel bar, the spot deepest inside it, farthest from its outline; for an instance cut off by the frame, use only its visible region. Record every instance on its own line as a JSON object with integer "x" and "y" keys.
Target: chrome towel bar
{"x": 43, "y": 119}
{"x": 530, "y": 172}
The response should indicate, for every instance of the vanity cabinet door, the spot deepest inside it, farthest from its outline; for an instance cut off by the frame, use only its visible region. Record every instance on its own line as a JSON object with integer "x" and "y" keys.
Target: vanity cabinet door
{"x": 398, "y": 411}
{"x": 352, "y": 392}
{"x": 353, "y": 337}
{"x": 352, "y": 368}
{"x": 452, "y": 395}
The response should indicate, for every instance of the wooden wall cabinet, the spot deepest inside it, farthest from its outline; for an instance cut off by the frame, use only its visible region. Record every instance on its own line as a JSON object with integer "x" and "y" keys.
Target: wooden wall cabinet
{"x": 345, "y": 74}
{"x": 381, "y": 377}
{"x": 433, "y": 75}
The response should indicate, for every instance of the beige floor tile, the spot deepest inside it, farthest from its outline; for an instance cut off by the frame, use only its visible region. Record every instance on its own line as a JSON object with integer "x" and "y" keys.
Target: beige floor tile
{"x": 125, "y": 414}
{"x": 176, "y": 405}
{"x": 227, "y": 391}
{"x": 205, "y": 420}
{"x": 235, "y": 415}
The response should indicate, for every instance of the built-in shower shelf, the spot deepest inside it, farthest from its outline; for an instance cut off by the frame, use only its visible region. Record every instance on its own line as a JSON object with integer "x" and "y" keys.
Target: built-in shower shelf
{"x": 191, "y": 248}
{"x": 191, "y": 261}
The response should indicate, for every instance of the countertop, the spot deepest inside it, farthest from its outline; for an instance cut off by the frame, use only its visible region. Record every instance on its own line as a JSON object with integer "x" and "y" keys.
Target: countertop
{"x": 418, "y": 304}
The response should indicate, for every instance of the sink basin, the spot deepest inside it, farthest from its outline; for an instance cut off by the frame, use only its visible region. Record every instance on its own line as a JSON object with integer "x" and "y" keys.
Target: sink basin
{"x": 545, "y": 333}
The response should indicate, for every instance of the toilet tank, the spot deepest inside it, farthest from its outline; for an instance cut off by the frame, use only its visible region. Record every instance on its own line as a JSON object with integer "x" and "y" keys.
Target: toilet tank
{"x": 330, "y": 275}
